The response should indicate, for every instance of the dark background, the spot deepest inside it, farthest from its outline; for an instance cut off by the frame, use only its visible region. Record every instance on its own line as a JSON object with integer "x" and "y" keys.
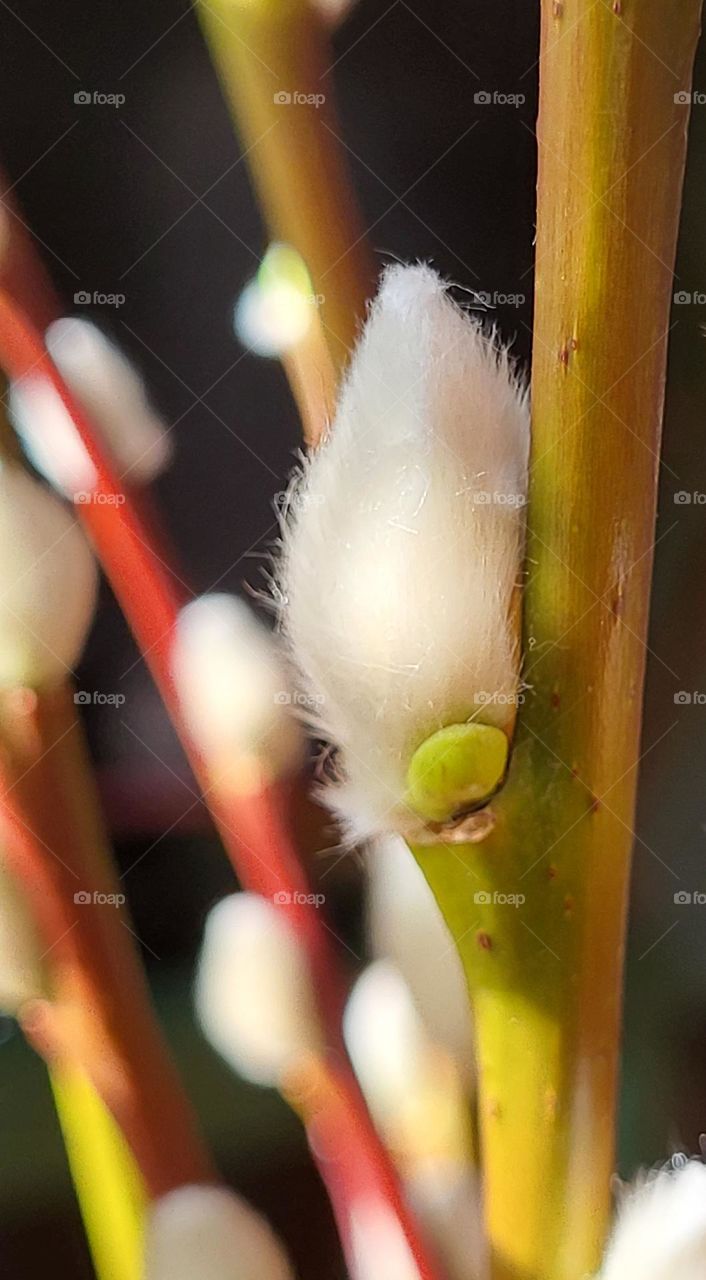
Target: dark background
{"x": 147, "y": 200}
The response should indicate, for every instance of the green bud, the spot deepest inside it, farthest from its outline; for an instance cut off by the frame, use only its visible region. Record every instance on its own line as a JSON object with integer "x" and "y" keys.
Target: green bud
{"x": 455, "y": 769}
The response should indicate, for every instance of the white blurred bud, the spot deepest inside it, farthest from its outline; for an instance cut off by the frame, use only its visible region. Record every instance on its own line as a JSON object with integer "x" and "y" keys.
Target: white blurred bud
{"x": 47, "y": 583}
{"x": 210, "y": 1233}
{"x": 275, "y": 310}
{"x": 113, "y": 397}
{"x": 334, "y": 11}
{"x": 21, "y": 973}
{"x": 406, "y": 925}
{"x": 419, "y": 1105}
{"x": 449, "y": 1206}
{"x": 378, "y": 1244}
{"x": 403, "y": 549}
{"x": 385, "y": 1039}
{"x": 661, "y": 1228}
{"x": 411, "y": 1084}
{"x": 270, "y": 321}
{"x": 254, "y": 996}
{"x": 234, "y": 691}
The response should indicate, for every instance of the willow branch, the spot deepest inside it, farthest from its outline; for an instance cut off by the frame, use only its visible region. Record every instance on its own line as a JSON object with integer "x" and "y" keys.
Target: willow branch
{"x": 546, "y": 971}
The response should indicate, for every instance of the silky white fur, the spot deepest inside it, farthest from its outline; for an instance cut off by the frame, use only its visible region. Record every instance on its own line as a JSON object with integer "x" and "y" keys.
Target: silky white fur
{"x": 47, "y": 583}
{"x": 661, "y": 1228}
{"x": 211, "y": 1233}
{"x": 403, "y": 544}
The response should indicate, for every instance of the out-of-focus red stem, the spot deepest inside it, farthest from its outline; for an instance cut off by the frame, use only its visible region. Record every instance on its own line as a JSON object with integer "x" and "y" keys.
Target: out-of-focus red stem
{"x": 251, "y": 827}
{"x": 99, "y": 1014}
{"x": 22, "y": 271}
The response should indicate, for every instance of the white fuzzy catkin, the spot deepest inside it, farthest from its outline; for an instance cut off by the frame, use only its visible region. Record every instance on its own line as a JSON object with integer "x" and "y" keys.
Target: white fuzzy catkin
{"x": 210, "y": 1233}
{"x": 385, "y": 1038}
{"x": 418, "y": 1103}
{"x": 406, "y": 926}
{"x": 411, "y": 1084}
{"x": 661, "y": 1228}
{"x": 234, "y": 690}
{"x": 378, "y": 1245}
{"x": 403, "y": 545}
{"x": 113, "y": 397}
{"x": 253, "y": 995}
{"x": 47, "y": 583}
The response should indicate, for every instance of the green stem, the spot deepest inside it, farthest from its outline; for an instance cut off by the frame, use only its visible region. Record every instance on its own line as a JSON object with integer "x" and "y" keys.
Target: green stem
{"x": 546, "y": 974}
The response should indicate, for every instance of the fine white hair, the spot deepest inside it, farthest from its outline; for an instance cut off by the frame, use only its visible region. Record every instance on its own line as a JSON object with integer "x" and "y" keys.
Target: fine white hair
{"x": 403, "y": 541}
{"x": 661, "y": 1228}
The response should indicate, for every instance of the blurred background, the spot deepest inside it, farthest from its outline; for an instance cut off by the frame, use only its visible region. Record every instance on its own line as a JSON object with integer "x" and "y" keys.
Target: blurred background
{"x": 150, "y": 202}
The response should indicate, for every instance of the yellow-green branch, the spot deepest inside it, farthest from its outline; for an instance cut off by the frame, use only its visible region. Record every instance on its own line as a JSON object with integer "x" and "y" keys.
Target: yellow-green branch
{"x": 273, "y": 57}
{"x": 108, "y": 1185}
{"x": 546, "y": 972}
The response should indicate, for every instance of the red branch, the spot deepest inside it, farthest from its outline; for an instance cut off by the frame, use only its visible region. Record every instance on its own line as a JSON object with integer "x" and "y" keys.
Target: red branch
{"x": 100, "y": 1013}
{"x": 348, "y": 1149}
